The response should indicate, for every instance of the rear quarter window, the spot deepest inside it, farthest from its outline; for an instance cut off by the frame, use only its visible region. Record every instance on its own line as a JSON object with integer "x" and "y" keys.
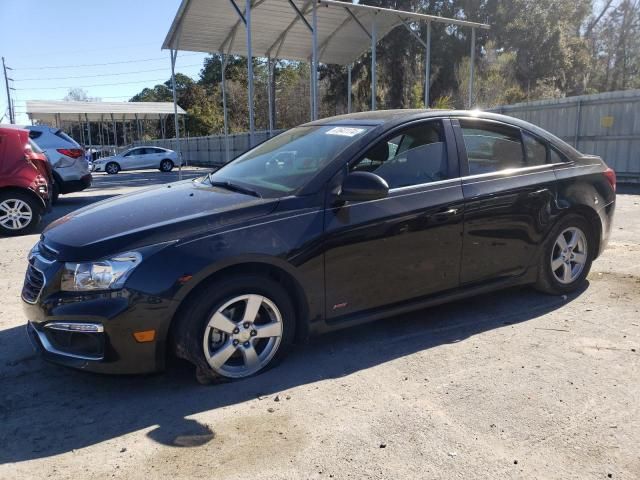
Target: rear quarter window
{"x": 67, "y": 138}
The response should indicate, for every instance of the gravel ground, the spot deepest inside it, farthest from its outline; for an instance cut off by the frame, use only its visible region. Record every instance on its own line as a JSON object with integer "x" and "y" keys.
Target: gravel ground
{"x": 514, "y": 384}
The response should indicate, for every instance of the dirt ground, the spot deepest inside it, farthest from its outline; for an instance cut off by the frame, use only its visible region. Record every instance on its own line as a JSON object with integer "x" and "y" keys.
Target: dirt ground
{"x": 514, "y": 384}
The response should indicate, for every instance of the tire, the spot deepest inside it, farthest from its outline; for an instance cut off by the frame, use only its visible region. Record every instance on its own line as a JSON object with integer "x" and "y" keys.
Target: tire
{"x": 572, "y": 264}
{"x": 238, "y": 349}
{"x": 112, "y": 168}
{"x": 166, "y": 165}
{"x": 15, "y": 207}
{"x": 55, "y": 192}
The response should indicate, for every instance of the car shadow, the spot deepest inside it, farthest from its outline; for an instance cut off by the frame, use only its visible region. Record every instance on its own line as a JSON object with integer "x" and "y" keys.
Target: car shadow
{"x": 47, "y": 410}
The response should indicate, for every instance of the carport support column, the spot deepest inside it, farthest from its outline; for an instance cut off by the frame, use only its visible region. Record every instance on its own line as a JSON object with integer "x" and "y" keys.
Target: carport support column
{"x": 224, "y": 107}
{"x": 349, "y": 88}
{"x": 115, "y": 134}
{"x": 80, "y": 124}
{"x": 247, "y": 16}
{"x": 427, "y": 67}
{"x": 86, "y": 117}
{"x": 472, "y": 62}
{"x": 174, "y": 55}
{"x": 270, "y": 93}
{"x": 314, "y": 59}
{"x": 374, "y": 82}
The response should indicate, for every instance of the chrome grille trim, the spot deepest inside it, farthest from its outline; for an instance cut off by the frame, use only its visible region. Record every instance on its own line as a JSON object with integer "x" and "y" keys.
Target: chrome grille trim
{"x": 34, "y": 282}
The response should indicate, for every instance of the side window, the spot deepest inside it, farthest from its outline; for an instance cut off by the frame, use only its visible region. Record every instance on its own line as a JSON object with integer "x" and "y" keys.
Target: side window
{"x": 491, "y": 147}
{"x": 34, "y": 134}
{"x": 131, "y": 152}
{"x": 555, "y": 156}
{"x": 416, "y": 155}
{"x": 536, "y": 150}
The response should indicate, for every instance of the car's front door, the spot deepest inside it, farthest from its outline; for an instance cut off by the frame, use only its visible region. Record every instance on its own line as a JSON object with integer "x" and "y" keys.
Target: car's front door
{"x": 404, "y": 246}
{"x": 130, "y": 159}
{"x": 509, "y": 186}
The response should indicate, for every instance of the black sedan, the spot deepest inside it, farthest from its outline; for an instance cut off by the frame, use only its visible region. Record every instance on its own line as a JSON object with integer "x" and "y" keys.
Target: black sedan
{"x": 327, "y": 225}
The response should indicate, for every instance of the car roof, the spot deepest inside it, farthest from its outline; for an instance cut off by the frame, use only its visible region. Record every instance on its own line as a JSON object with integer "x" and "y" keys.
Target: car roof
{"x": 390, "y": 118}
{"x": 10, "y": 126}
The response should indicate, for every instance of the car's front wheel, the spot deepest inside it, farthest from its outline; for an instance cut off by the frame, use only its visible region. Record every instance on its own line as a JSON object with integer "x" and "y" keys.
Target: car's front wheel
{"x": 112, "y": 168}
{"x": 166, "y": 165}
{"x": 236, "y": 328}
{"x": 19, "y": 213}
{"x": 567, "y": 256}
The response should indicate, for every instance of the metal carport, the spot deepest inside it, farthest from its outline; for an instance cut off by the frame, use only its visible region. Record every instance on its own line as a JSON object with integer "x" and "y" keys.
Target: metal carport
{"x": 55, "y": 112}
{"x": 313, "y": 31}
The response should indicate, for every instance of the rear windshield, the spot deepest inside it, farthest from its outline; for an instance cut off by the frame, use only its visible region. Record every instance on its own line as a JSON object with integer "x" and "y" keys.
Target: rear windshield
{"x": 66, "y": 137}
{"x": 34, "y": 146}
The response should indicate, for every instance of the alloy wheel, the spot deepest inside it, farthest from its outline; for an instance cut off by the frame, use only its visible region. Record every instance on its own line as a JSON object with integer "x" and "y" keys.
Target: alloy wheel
{"x": 243, "y": 335}
{"x": 569, "y": 255}
{"x": 15, "y": 214}
{"x": 165, "y": 166}
{"x": 112, "y": 168}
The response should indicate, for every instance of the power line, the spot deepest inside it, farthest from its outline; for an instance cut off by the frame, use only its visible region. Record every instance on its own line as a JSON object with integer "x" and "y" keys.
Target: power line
{"x": 92, "y": 85}
{"x": 102, "y": 64}
{"x": 103, "y": 74}
{"x": 66, "y": 52}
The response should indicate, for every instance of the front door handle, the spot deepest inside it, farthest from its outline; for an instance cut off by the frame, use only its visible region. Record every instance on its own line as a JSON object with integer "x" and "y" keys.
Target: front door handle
{"x": 441, "y": 216}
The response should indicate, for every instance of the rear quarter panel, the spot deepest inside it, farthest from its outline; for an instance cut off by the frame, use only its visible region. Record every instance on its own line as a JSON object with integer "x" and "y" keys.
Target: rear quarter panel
{"x": 582, "y": 186}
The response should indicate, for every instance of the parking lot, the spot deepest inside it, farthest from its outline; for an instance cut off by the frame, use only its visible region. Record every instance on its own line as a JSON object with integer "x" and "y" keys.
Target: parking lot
{"x": 514, "y": 384}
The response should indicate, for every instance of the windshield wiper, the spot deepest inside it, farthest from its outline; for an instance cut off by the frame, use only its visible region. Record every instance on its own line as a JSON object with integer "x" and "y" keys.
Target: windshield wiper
{"x": 234, "y": 187}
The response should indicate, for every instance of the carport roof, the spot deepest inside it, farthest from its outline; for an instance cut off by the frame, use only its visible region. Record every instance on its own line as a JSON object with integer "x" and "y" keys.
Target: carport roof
{"x": 48, "y": 111}
{"x": 278, "y": 31}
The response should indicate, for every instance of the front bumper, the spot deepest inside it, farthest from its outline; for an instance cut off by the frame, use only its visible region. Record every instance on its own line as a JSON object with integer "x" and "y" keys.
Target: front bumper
{"x": 110, "y": 347}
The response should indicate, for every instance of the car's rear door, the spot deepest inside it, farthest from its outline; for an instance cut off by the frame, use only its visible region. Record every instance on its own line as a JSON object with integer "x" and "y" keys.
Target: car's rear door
{"x": 151, "y": 158}
{"x": 407, "y": 245}
{"x": 509, "y": 186}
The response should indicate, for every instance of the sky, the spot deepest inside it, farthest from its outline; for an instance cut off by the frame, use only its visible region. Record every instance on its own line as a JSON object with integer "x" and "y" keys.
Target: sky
{"x": 72, "y": 36}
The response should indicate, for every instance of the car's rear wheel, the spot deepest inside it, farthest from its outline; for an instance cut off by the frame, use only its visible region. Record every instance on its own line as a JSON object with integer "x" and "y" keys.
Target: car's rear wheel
{"x": 567, "y": 256}
{"x": 236, "y": 328}
{"x": 19, "y": 213}
{"x": 112, "y": 168}
{"x": 55, "y": 192}
{"x": 166, "y": 165}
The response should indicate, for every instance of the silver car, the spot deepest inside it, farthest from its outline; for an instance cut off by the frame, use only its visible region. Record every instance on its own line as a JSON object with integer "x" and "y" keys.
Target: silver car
{"x": 138, "y": 158}
{"x": 70, "y": 168}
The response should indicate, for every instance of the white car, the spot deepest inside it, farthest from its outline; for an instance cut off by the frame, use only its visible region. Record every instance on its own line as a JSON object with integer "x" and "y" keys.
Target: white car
{"x": 138, "y": 158}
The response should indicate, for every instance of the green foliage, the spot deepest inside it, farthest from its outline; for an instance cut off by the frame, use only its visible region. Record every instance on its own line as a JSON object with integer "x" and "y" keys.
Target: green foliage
{"x": 443, "y": 103}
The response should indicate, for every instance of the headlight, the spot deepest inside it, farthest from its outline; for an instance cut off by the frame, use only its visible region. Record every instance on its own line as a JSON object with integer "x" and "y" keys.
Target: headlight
{"x": 100, "y": 275}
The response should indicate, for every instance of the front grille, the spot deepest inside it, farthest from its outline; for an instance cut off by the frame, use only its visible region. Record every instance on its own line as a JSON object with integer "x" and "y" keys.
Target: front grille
{"x": 33, "y": 284}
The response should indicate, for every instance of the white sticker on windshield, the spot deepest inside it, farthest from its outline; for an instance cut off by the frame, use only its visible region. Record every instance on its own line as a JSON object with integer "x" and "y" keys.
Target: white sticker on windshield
{"x": 345, "y": 131}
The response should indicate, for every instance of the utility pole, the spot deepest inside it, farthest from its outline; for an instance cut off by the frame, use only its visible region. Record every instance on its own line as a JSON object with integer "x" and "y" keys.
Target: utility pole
{"x": 9, "y": 102}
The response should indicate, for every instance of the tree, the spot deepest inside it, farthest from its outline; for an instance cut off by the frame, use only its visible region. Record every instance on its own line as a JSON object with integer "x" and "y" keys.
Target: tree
{"x": 79, "y": 95}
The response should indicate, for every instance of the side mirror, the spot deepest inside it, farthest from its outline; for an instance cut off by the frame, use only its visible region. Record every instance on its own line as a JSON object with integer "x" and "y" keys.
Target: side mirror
{"x": 363, "y": 186}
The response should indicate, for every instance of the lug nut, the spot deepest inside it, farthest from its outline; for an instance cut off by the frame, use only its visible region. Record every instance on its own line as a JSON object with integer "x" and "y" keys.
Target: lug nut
{"x": 247, "y": 344}
{"x": 246, "y": 324}
{"x": 236, "y": 330}
{"x": 235, "y": 343}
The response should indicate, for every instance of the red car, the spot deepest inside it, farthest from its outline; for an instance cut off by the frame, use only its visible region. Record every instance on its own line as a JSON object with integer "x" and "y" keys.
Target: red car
{"x": 25, "y": 182}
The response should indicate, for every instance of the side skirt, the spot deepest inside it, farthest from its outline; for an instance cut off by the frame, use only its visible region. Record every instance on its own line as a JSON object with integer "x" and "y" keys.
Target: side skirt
{"x": 425, "y": 302}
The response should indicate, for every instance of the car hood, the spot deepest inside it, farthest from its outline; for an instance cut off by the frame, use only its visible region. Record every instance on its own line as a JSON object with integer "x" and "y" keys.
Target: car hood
{"x": 159, "y": 214}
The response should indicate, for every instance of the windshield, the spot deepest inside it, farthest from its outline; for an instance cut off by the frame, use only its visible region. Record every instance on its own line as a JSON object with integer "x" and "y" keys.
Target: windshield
{"x": 284, "y": 164}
